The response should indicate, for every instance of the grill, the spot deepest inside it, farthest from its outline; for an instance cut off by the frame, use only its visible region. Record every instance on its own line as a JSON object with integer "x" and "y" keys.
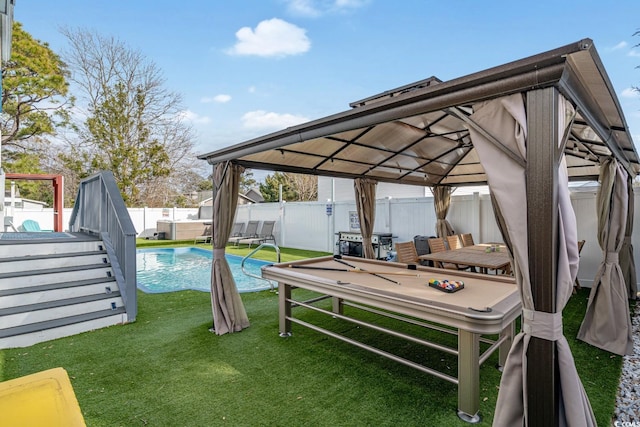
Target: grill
{"x": 350, "y": 243}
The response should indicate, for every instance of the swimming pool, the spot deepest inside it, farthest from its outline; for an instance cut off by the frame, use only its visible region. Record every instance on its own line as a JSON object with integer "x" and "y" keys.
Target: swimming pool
{"x": 176, "y": 269}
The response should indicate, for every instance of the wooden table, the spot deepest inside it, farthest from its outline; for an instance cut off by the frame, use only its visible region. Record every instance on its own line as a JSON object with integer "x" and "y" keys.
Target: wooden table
{"x": 486, "y": 305}
{"x": 485, "y": 256}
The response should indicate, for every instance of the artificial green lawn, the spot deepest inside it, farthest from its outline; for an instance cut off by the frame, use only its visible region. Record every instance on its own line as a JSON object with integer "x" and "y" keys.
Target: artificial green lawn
{"x": 167, "y": 369}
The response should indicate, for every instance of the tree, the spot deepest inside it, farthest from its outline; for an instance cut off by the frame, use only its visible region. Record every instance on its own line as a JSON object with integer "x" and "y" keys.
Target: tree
{"x": 270, "y": 190}
{"x": 204, "y": 186}
{"x": 247, "y": 182}
{"x": 305, "y": 186}
{"x": 30, "y": 163}
{"x": 133, "y": 126}
{"x": 295, "y": 187}
{"x": 34, "y": 106}
{"x": 34, "y": 90}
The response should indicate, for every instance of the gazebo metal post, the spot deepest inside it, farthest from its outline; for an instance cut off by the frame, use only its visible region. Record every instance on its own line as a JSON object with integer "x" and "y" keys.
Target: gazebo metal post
{"x": 543, "y": 157}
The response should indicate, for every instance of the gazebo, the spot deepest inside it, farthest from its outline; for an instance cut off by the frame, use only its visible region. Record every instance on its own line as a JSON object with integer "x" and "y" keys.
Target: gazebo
{"x": 525, "y": 128}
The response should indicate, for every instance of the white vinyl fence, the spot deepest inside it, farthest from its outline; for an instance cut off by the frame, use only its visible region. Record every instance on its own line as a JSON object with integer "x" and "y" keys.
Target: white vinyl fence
{"x": 313, "y": 225}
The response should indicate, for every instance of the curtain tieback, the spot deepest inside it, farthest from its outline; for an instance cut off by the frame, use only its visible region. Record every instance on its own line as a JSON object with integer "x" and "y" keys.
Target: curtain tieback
{"x": 540, "y": 324}
{"x": 218, "y": 253}
{"x": 611, "y": 257}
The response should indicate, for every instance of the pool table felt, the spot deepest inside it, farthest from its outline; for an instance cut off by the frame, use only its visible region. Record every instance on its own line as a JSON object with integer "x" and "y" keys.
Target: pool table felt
{"x": 480, "y": 290}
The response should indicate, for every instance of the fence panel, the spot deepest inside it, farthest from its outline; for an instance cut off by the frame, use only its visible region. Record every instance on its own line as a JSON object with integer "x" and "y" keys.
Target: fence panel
{"x": 307, "y": 225}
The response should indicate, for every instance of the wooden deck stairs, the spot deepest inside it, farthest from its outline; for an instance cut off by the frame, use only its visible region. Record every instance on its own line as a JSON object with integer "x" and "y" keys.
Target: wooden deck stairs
{"x": 53, "y": 288}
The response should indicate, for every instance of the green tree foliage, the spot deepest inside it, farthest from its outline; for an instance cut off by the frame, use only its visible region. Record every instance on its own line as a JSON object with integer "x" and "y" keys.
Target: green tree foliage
{"x": 270, "y": 190}
{"x": 122, "y": 140}
{"x": 29, "y": 163}
{"x": 34, "y": 89}
{"x": 133, "y": 126}
{"x": 205, "y": 184}
{"x": 35, "y": 104}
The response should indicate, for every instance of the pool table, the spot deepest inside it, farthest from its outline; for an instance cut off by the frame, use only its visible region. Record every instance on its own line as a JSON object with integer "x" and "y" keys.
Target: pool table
{"x": 486, "y": 305}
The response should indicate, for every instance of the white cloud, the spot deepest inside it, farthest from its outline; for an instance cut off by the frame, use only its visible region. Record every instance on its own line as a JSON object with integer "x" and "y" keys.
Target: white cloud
{"x": 315, "y": 8}
{"x": 350, "y": 4}
{"x": 630, "y": 93}
{"x": 192, "y": 117}
{"x": 634, "y": 53}
{"x": 303, "y": 7}
{"x": 273, "y": 37}
{"x": 251, "y": 89}
{"x": 620, "y": 45}
{"x": 264, "y": 120}
{"x": 222, "y": 98}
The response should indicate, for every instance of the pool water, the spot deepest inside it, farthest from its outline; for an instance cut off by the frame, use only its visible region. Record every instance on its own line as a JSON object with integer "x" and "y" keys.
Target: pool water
{"x": 177, "y": 269}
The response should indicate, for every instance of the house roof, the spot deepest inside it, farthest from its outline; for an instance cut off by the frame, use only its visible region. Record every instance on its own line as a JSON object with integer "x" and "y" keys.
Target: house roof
{"x": 418, "y": 133}
{"x": 251, "y": 197}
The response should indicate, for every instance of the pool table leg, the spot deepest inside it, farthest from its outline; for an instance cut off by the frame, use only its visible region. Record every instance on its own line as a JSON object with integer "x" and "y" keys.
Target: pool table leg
{"x": 284, "y": 299}
{"x": 337, "y": 306}
{"x": 468, "y": 376}
{"x": 509, "y": 332}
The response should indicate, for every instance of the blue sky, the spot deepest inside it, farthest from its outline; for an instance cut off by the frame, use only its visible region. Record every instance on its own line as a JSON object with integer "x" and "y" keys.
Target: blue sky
{"x": 246, "y": 68}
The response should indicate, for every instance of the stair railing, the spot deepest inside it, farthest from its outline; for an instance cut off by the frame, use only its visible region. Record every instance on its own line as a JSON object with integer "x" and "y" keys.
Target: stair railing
{"x": 99, "y": 210}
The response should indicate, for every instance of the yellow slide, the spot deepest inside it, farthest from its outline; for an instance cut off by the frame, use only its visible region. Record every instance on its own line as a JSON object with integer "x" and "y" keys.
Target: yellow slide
{"x": 42, "y": 399}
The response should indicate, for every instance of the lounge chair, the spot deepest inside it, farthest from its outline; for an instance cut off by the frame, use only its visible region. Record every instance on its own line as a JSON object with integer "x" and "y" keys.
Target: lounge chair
{"x": 266, "y": 233}
{"x": 30, "y": 225}
{"x": 206, "y": 237}
{"x": 237, "y": 230}
{"x": 250, "y": 232}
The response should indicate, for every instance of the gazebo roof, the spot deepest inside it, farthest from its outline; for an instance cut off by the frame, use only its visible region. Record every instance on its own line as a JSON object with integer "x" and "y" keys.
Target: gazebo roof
{"x": 418, "y": 134}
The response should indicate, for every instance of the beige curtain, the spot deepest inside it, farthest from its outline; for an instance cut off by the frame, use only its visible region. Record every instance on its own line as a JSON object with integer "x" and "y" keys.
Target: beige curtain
{"x": 627, "y": 263}
{"x": 365, "y": 190}
{"x": 441, "y": 203}
{"x": 502, "y": 226}
{"x": 505, "y": 119}
{"x": 606, "y": 323}
{"x": 229, "y": 314}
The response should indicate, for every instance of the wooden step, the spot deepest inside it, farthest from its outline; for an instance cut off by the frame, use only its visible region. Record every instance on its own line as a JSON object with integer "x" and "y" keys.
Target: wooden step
{"x": 27, "y": 335}
{"x": 39, "y": 247}
{"x": 56, "y": 286}
{"x": 54, "y": 275}
{"x": 58, "y": 293}
{"x": 30, "y": 263}
{"x": 53, "y": 288}
{"x": 43, "y": 312}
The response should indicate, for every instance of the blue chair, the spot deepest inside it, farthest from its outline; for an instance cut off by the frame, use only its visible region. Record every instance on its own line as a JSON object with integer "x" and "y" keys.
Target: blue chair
{"x": 30, "y": 225}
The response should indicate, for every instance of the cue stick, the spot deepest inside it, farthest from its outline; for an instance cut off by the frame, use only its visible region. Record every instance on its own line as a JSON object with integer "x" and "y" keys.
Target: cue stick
{"x": 338, "y": 258}
{"x": 355, "y": 270}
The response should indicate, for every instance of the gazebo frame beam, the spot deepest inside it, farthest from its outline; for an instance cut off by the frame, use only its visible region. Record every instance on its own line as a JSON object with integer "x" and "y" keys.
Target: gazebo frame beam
{"x": 542, "y": 212}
